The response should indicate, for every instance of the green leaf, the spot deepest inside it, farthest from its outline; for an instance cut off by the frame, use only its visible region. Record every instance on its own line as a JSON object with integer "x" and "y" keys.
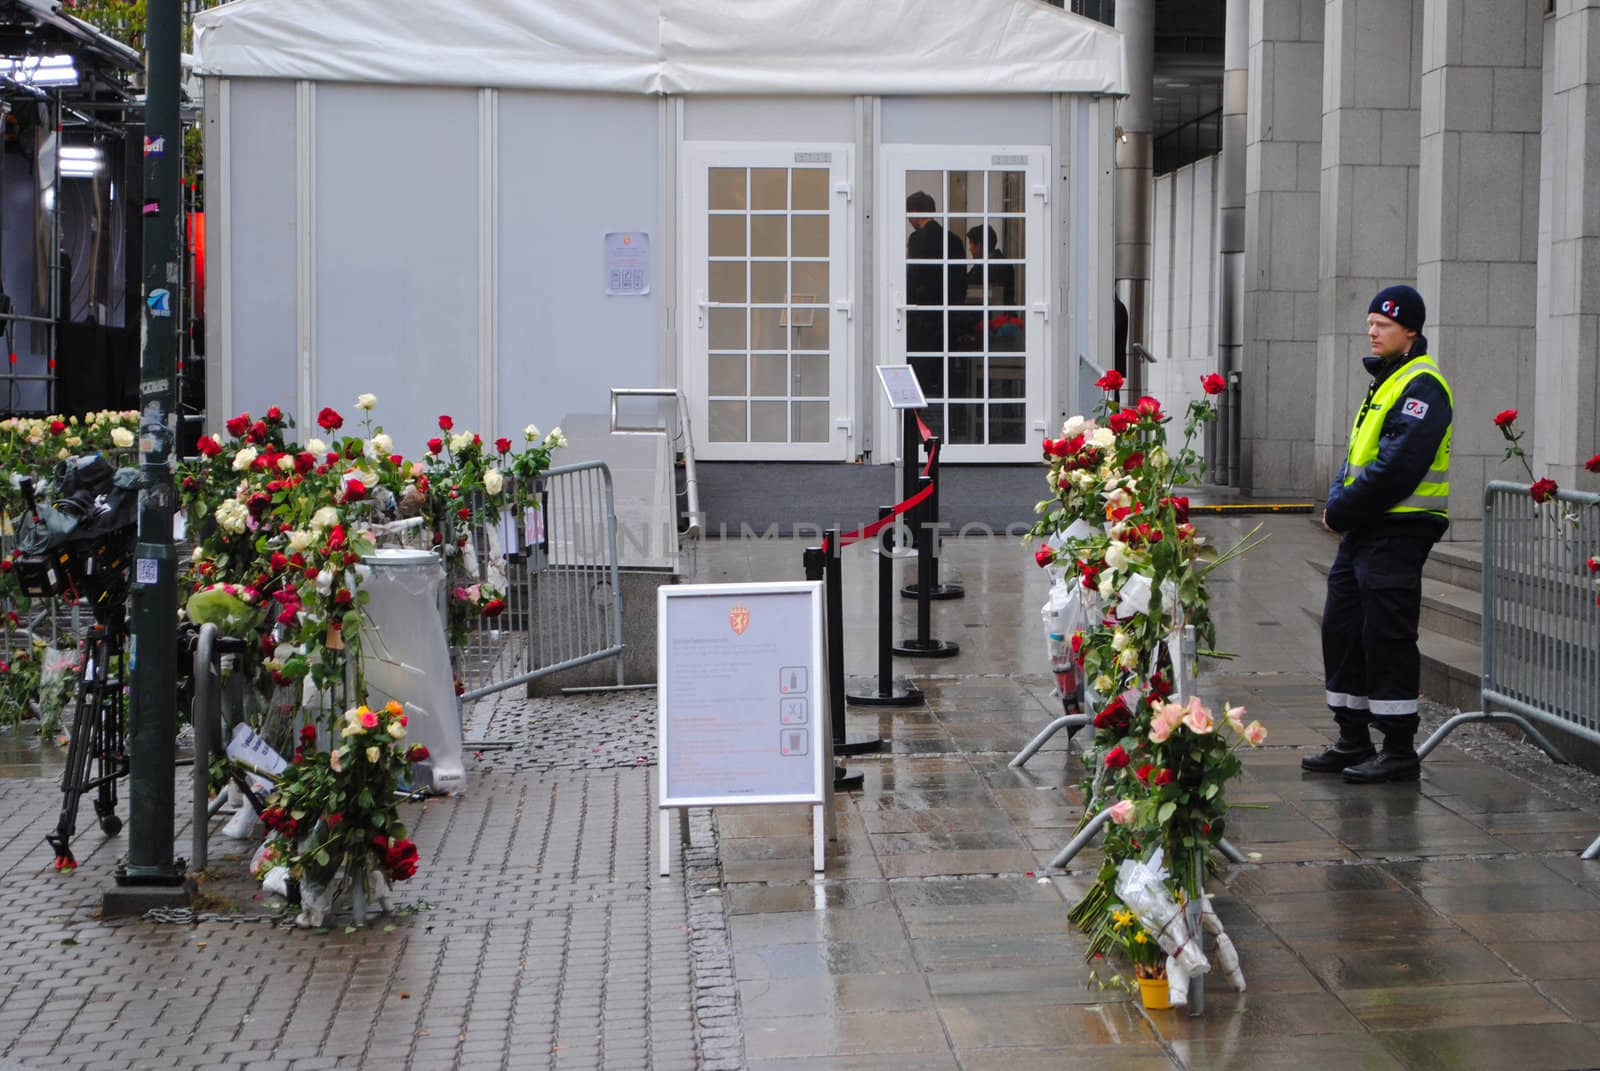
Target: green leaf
{"x": 321, "y": 857}
{"x": 1164, "y": 815}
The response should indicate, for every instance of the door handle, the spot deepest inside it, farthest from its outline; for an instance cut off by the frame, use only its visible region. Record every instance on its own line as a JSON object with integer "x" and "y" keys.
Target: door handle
{"x": 700, "y": 302}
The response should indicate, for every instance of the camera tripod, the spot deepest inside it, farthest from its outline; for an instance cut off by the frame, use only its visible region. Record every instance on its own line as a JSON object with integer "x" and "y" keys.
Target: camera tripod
{"x": 98, "y": 753}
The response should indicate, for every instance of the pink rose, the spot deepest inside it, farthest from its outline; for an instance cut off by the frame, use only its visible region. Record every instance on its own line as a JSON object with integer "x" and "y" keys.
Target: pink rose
{"x": 1122, "y": 812}
{"x": 1198, "y": 718}
{"x": 1255, "y": 733}
{"x": 369, "y": 720}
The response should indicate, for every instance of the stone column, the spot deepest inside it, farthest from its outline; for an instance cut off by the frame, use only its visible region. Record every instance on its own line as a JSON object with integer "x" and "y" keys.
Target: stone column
{"x": 1283, "y": 152}
{"x": 1477, "y": 232}
{"x": 1567, "y": 376}
{"x": 1222, "y": 457}
{"x": 1371, "y": 90}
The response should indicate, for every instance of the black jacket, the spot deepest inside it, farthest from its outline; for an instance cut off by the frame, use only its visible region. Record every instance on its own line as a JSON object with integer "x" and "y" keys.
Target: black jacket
{"x": 1406, "y": 448}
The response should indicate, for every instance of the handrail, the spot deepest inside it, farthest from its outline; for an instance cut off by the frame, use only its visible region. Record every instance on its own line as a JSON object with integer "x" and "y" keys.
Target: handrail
{"x": 207, "y": 711}
{"x": 683, "y": 435}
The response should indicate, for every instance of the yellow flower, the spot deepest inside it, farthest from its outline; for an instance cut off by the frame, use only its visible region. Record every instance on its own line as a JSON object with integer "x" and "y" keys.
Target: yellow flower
{"x": 1140, "y": 938}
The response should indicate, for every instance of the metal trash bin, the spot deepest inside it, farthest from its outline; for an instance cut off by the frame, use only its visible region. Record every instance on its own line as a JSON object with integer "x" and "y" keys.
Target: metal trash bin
{"x": 406, "y": 656}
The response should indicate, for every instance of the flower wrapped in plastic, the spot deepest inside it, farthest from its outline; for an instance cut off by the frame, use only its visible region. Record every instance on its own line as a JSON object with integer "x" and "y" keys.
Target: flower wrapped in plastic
{"x": 1142, "y": 886}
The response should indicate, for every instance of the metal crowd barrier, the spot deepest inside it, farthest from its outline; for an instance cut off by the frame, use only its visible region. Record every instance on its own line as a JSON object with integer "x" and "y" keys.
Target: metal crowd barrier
{"x": 1541, "y": 622}
{"x": 563, "y": 591}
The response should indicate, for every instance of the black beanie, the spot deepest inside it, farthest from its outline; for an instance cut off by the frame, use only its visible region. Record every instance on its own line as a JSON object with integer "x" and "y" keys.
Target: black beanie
{"x": 1401, "y": 304}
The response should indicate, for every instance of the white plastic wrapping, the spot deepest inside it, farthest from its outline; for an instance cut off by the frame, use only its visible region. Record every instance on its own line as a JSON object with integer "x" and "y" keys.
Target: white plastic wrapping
{"x": 407, "y": 657}
{"x": 1142, "y": 886}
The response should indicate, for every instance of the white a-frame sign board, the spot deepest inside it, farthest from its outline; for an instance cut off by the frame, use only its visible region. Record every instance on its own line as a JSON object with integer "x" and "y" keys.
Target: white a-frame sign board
{"x": 742, "y": 691}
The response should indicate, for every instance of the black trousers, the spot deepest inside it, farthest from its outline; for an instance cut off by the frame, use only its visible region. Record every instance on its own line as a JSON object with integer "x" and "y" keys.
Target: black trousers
{"x": 1369, "y": 625}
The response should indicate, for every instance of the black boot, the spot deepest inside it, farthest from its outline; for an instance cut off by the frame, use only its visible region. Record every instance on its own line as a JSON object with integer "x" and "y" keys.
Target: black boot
{"x": 1397, "y": 761}
{"x": 1353, "y": 746}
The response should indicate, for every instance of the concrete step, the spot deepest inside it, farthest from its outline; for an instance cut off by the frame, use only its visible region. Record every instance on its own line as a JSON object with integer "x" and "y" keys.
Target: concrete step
{"x": 1460, "y": 564}
{"x": 1447, "y": 609}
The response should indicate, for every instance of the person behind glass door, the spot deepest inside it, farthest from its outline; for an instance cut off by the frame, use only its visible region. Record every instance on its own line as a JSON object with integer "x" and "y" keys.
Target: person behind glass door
{"x": 1001, "y": 287}
{"x": 928, "y": 284}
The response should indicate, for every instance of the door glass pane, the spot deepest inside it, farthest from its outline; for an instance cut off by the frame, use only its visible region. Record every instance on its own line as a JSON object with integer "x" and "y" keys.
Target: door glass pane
{"x": 769, "y": 422}
{"x": 1005, "y": 191}
{"x": 1013, "y": 240}
{"x": 769, "y": 188}
{"x": 727, "y": 330}
{"x": 727, "y": 281}
{"x": 727, "y": 422}
{"x": 966, "y": 425}
{"x": 809, "y": 328}
{"x": 769, "y": 282}
{"x": 769, "y": 236}
{"x": 767, "y": 331}
{"x": 810, "y": 189}
{"x": 930, "y": 183}
{"x": 810, "y": 422}
{"x": 727, "y": 236}
{"x": 966, "y": 377}
{"x": 930, "y": 374}
{"x": 726, "y": 373}
{"x": 810, "y": 282}
{"x": 769, "y": 375}
{"x": 966, "y": 331}
{"x": 1008, "y": 423}
{"x": 727, "y": 188}
{"x": 1008, "y": 378}
{"x": 924, "y": 332}
{"x": 1007, "y": 329}
{"x": 966, "y": 191}
{"x": 810, "y": 236}
{"x": 933, "y": 416}
{"x": 810, "y": 376}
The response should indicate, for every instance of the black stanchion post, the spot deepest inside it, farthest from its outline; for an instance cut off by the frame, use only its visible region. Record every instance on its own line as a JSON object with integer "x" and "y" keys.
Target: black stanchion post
{"x": 817, "y": 568}
{"x": 911, "y": 452}
{"x": 888, "y": 693}
{"x": 924, "y": 646}
{"x": 936, "y": 590}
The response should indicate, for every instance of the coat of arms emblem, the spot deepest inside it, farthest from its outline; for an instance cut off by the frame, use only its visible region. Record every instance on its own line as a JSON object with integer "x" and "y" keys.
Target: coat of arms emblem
{"x": 739, "y": 618}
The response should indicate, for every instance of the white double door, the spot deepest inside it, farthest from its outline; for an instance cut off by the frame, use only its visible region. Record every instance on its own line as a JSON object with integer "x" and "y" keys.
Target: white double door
{"x": 768, "y": 360}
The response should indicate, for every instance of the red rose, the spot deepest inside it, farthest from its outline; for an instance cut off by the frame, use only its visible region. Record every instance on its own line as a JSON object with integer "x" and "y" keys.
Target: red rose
{"x": 1135, "y": 459}
{"x": 308, "y": 735}
{"x": 258, "y": 432}
{"x": 354, "y": 491}
{"x": 1044, "y": 556}
{"x": 1213, "y": 383}
{"x": 238, "y": 425}
{"x": 1543, "y": 490}
{"x": 1143, "y": 772}
{"x": 208, "y": 446}
{"x": 1112, "y": 380}
{"x": 463, "y": 513}
{"x": 445, "y": 423}
{"x": 6, "y": 566}
{"x": 329, "y": 420}
{"x": 304, "y": 462}
{"x": 502, "y": 446}
{"x": 396, "y": 460}
{"x": 1116, "y": 758}
{"x": 1122, "y": 420}
{"x": 274, "y": 415}
{"x": 1593, "y": 563}
{"x": 494, "y": 607}
{"x": 1077, "y": 646}
{"x": 1164, "y": 776}
{"x": 435, "y": 445}
{"x": 1505, "y": 418}
{"x": 335, "y": 819}
{"x": 417, "y": 753}
{"x": 1114, "y": 716}
{"x": 1148, "y": 407}
{"x": 1593, "y": 464}
{"x": 343, "y": 597}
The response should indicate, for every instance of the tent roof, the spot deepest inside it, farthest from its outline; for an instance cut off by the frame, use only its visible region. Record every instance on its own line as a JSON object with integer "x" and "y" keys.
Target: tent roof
{"x": 748, "y": 47}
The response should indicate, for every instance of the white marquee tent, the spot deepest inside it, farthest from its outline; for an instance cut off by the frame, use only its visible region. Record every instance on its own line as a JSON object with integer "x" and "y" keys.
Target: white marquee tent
{"x": 415, "y": 199}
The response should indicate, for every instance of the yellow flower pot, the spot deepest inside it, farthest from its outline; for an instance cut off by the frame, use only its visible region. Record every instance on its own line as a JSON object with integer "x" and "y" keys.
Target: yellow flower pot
{"x": 1153, "y": 991}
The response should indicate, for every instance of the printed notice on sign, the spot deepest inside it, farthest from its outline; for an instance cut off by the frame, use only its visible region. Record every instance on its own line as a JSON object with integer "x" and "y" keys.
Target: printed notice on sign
{"x": 740, "y": 714}
{"x": 627, "y": 263}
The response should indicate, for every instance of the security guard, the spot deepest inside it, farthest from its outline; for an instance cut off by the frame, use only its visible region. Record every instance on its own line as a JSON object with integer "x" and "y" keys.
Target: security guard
{"x": 1389, "y": 502}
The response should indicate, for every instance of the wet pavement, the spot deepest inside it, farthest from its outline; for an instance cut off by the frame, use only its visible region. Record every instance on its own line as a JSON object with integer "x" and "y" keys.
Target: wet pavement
{"x": 1446, "y": 924}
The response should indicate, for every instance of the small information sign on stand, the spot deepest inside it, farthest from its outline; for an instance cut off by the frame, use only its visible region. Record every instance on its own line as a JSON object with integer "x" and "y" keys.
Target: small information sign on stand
{"x": 901, "y": 386}
{"x": 742, "y": 701}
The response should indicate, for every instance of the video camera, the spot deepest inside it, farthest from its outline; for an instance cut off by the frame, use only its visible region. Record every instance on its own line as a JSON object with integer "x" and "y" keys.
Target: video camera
{"x": 80, "y": 544}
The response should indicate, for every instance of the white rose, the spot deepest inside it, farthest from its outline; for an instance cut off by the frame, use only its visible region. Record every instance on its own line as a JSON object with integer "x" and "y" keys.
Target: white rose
{"x": 1103, "y": 684}
{"x": 1108, "y": 585}
{"x": 1104, "y": 438}
{"x": 326, "y": 517}
{"x": 1120, "y": 640}
{"x": 245, "y": 458}
{"x": 233, "y": 516}
{"x": 199, "y": 552}
{"x": 383, "y": 444}
{"x": 316, "y": 446}
{"x": 531, "y": 433}
{"x": 362, "y": 572}
{"x": 1157, "y": 458}
{"x": 121, "y": 438}
{"x": 493, "y": 481}
{"x": 299, "y": 540}
{"x": 1073, "y": 426}
{"x": 1083, "y": 481}
{"x": 460, "y": 441}
{"x": 286, "y": 463}
{"x": 324, "y": 582}
{"x": 1117, "y": 556}
{"x": 367, "y": 401}
{"x": 555, "y": 438}
{"x": 1129, "y": 658}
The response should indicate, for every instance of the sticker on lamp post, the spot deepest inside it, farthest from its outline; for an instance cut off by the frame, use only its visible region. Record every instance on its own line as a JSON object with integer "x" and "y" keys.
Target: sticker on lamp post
{"x": 160, "y": 302}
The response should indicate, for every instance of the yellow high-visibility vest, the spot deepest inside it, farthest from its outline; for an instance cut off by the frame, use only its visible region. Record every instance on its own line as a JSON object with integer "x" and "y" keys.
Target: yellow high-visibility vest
{"x": 1433, "y": 493}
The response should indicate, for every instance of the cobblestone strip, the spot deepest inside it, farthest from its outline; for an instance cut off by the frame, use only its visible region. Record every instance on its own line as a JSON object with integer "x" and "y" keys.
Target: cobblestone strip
{"x": 716, "y": 993}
